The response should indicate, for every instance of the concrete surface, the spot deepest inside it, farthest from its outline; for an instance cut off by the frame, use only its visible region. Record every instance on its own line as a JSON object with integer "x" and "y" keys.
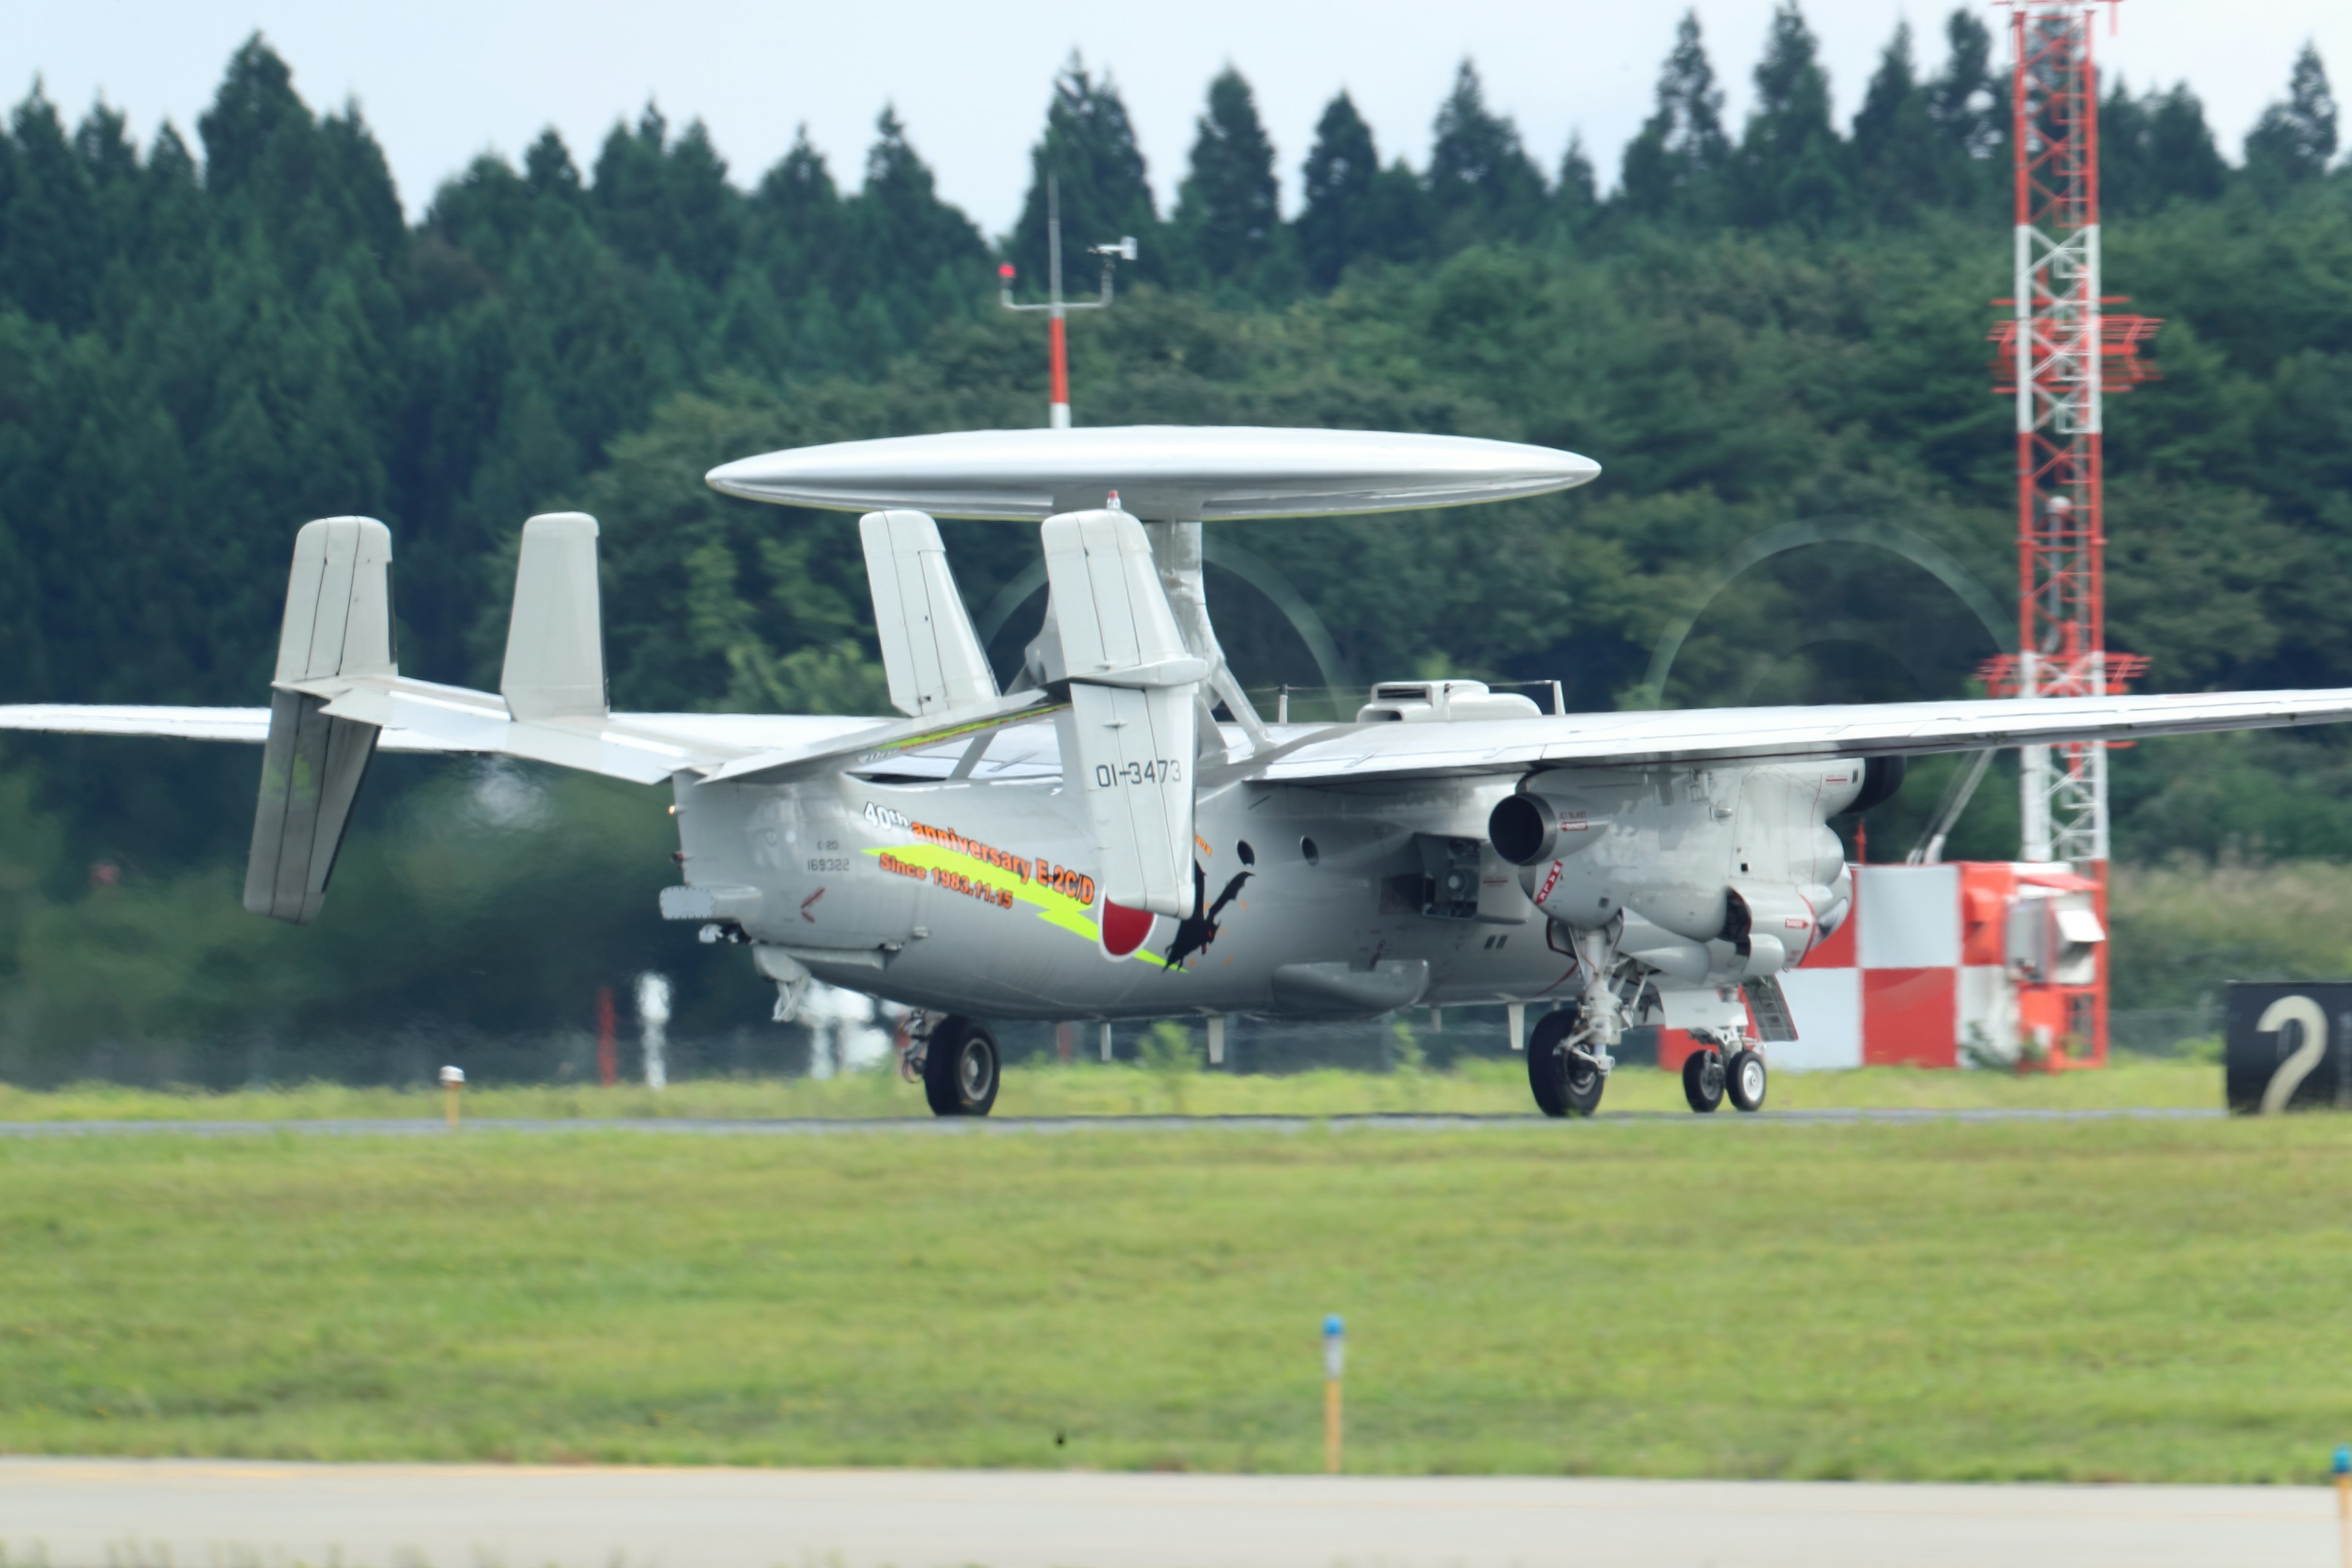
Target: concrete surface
{"x": 93, "y": 1513}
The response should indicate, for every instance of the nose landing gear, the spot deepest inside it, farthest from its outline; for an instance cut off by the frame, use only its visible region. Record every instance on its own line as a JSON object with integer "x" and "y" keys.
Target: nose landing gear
{"x": 1566, "y": 1072}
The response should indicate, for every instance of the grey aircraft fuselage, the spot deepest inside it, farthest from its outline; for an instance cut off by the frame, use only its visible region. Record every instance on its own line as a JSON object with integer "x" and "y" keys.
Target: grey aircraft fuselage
{"x": 975, "y": 894}
{"x": 1316, "y": 886}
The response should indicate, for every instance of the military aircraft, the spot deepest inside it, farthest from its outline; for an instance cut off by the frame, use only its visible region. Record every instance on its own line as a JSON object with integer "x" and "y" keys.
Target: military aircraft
{"x": 1118, "y": 832}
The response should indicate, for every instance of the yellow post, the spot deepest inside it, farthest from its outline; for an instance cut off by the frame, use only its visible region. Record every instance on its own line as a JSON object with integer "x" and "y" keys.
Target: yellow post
{"x": 1335, "y": 1362}
{"x": 452, "y": 1080}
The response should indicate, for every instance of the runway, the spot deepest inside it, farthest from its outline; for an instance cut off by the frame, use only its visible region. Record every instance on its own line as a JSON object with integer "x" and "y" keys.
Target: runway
{"x": 86, "y": 1513}
{"x": 1018, "y": 1126}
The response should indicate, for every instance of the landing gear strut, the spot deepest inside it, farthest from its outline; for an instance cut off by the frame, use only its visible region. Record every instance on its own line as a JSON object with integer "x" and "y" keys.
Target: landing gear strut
{"x": 958, "y": 1061}
{"x": 1703, "y": 1079}
{"x": 1744, "y": 1079}
{"x": 1727, "y": 1067}
{"x": 1565, "y": 1075}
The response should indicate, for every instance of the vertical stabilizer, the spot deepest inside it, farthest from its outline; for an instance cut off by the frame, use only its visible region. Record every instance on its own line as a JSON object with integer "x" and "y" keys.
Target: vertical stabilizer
{"x": 338, "y": 623}
{"x": 555, "y": 640}
{"x": 1130, "y": 736}
{"x": 929, "y": 648}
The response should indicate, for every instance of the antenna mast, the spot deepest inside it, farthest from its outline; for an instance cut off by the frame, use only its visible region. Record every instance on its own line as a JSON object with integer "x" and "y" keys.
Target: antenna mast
{"x": 1057, "y": 406}
{"x": 2058, "y": 353}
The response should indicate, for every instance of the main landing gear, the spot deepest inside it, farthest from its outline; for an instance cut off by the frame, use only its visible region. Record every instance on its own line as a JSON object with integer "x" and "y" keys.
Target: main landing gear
{"x": 1721, "y": 1068}
{"x": 1562, "y": 1070}
{"x": 956, "y": 1058}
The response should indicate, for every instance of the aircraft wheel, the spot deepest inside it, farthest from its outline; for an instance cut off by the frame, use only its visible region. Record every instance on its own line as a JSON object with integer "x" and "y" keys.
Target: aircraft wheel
{"x": 1744, "y": 1081}
{"x": 1702, "y": 1080}
{"x": 1563, "y": 1085}
{"x": 960, "y": 1068}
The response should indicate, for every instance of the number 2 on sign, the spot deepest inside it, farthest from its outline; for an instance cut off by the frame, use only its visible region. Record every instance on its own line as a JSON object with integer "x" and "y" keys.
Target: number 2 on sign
{"x": 1160, "y": 770}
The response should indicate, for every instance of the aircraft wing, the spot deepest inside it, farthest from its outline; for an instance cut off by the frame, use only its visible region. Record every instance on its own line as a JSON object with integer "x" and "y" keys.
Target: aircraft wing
{"x": 417, "y": 716}
{"x": 249, "y": 725}
{"x": 1355, "y": 751}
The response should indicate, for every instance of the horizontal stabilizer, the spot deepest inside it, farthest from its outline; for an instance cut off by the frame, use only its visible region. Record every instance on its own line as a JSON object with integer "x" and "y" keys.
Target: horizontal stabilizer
{"x": 338, "y": 625}
{"x": 929, "y": 648}
{"x": 556, "y": 639}
{"x": 1130, "y": 736}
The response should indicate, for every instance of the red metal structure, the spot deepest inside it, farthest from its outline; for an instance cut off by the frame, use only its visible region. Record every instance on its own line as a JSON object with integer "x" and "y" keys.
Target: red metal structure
{"x": 2058, "y": 353}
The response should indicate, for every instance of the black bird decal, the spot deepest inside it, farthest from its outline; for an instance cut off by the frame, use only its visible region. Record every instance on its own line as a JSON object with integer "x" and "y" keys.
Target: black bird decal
{"x": 1196, "y": 931}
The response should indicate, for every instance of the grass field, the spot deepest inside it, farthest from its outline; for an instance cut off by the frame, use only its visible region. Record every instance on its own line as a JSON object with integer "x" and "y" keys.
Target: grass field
{"x": 1125, "y": 1089}
{"x": 2140, "y": 1300}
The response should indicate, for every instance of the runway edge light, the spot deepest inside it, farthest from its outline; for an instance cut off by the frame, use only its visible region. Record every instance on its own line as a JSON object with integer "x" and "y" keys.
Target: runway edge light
{"x": 452, "y": 1080}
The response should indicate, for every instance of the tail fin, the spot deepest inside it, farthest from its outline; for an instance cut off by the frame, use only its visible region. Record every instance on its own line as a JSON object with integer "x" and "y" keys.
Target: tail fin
{"x": 1130, "y": 738}
{"x": 555, "y": 641}
{"x": 338, "y": 622}
{"x": 929, "y": 648}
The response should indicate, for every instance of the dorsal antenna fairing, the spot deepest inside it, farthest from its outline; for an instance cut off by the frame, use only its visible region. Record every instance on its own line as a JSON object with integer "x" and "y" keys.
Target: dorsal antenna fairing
{"x": 1169, "y": 478}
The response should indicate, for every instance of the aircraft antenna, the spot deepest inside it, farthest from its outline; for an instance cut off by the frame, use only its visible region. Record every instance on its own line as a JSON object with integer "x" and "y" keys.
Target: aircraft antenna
{"x": 1057, "y": 344}
{"x": 2058, "y": 353}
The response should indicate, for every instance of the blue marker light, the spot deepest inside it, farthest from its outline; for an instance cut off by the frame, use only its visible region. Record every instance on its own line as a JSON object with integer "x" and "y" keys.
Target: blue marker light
{"x": 1335, "y": 1347}
{"x": 2343, "y": 1451}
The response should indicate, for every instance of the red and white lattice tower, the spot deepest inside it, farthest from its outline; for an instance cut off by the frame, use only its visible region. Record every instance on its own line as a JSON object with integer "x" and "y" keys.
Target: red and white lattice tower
{"x": 2060, "y": 353}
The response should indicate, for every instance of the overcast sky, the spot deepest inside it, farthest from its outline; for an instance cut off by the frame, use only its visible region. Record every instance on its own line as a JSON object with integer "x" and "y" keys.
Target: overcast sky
{"x": 442, "y": 81}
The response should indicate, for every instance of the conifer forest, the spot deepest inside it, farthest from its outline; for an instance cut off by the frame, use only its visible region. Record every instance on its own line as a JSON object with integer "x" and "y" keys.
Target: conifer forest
{"x": 1772, "y": 335}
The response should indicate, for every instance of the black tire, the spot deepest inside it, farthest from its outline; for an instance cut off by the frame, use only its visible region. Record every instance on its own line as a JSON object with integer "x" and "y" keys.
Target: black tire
{"x": 1744, "y": 1081}
{"x": 1563, "y": 1085}
{"x": 1702, "y": 1080}
{"x": 961, "y": 1067}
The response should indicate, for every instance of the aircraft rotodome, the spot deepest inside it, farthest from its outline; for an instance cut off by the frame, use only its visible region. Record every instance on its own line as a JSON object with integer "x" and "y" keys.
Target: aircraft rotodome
{"x": 1093, "y": 841}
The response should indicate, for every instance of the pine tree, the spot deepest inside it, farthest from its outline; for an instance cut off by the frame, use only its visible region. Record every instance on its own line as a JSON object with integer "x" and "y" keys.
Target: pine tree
{"x": 174, "y": 224}
{"x": 1790, "y": 160}
{"x": 1673, "y": 167}
{"x": 797, "y": 235}
{"x": 910, "y": 244}
{"x": 2181, "y": 145}
{"x": 1576, "y": 196}
{"x": 549, "y": 171}
{"x": 2295, "y": 139}
{"x": 707, "y": 210}
{"x": 485, "y": 214}
{"x": 655, "y": 199}
{"x": 1338, "y": 182}
{"x": 1969, "y": 100}
{"x": 1089, "y": 150}
{"x": 51, "y": 247}
{"x": 2155, "y": 149}
{"x": 1481, "y": 181}
{"x": 101, "y": 144}
{"x": 1896, "y": 160}
{"x": 1227, "y": 216}
{"x": 254, "y": 107}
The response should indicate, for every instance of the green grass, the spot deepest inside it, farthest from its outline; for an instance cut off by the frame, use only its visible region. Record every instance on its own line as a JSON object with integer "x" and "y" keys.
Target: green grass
{"x": 2110, "y": 1300}
{"x": 1124, "y": 1088}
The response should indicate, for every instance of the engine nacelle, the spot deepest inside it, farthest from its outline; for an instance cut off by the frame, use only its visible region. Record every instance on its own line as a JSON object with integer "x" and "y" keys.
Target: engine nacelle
{"x": 1740, "y": 861}
{"x": 1769, "y": 926}
{"x": 1526, "y": 828}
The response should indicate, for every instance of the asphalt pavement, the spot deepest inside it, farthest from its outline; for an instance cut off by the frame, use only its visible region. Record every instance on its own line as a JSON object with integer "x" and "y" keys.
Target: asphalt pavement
{"x": 92, "y": 1514}
{"x": 1015, "y": 1126}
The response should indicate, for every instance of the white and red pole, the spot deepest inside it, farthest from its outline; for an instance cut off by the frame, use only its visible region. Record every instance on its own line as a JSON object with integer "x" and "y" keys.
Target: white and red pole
{"x": 1057, "y": 331}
